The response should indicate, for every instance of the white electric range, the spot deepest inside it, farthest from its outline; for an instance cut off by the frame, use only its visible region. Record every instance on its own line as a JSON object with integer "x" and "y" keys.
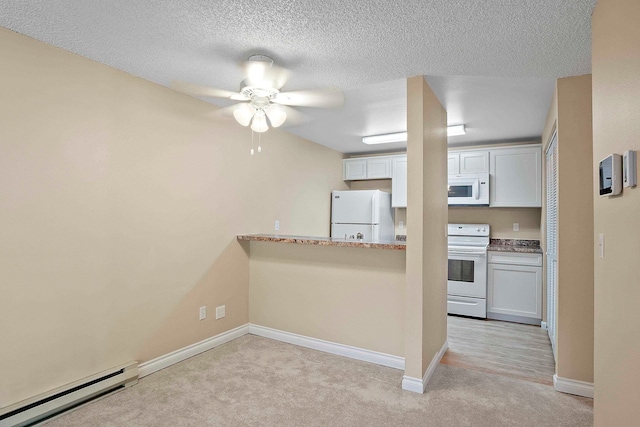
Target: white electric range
{"x": 467, "y": 272}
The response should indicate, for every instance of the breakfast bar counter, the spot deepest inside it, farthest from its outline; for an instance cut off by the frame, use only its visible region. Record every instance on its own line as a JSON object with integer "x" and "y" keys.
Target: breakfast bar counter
{"x": 349, "y": 293}
{"x": 324, "y": 241}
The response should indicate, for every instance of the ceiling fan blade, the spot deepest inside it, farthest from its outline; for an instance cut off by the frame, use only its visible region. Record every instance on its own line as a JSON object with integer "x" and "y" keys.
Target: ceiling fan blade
{"x": 329, "y": 98}
{"x": 262, "y": 73}
{"x": 294, "y": 117}
{"x": 210, "y": 92}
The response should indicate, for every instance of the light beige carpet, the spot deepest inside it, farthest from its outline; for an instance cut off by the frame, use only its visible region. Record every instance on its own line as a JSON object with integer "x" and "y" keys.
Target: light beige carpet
{"x": 253, "y": 381}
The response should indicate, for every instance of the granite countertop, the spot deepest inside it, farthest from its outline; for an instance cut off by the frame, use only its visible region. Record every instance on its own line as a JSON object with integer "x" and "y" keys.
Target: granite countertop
{"x": 323, "y": 241}
{"x": 515, "y": 245}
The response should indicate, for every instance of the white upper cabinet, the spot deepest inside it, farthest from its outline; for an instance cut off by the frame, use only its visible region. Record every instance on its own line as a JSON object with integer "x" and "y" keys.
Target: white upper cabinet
{"x": 354, "y": 169}
{"x": 468, "y": 162}
{"x": 399, "y": 182}
{"x": 379, "y": 168}
{"x": 474, "y": 162}
{"x": 453, "y": 163}
{"x": 366, "y": 168}
{"x": 516, "y": 176}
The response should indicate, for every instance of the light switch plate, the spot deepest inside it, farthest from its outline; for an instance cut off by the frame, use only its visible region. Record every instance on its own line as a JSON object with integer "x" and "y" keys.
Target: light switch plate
{"x": 516, "y": 226}
{"x": 601, "y": 245}
{"x": 220, "y": 312}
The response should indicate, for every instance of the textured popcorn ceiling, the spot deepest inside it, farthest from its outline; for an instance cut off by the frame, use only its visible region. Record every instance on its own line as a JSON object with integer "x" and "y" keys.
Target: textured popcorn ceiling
{"x": 363, "y": 47}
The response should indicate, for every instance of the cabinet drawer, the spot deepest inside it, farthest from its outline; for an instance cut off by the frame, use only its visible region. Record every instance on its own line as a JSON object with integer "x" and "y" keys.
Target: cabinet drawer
{"x": 514, "y": 258}
{"x": 475, "y": 307}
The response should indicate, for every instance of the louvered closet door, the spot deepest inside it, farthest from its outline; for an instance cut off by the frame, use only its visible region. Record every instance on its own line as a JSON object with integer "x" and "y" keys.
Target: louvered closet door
{"x": 552, "y": 239}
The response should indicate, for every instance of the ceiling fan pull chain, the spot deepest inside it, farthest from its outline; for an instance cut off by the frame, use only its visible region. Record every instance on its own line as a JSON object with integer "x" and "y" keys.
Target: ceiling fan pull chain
{"x": 252, "y": 142}
{"x": 259, "y": 142}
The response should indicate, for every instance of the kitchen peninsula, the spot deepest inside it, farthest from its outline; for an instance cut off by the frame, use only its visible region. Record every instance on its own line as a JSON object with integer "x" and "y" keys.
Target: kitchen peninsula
{"x": 344, "y": 293}
{"x": 324, "y": 241}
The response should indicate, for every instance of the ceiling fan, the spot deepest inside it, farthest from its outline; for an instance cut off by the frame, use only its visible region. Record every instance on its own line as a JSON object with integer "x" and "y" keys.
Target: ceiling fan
{"x": 261, "y": 101}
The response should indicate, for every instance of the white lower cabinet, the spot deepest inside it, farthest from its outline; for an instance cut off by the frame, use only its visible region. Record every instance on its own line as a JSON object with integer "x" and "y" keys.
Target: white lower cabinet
{"x": 514, "y": 287}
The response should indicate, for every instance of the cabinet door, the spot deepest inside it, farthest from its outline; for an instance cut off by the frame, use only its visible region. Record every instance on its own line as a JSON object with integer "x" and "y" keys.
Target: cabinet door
{"x": 516, "y": 177}
{"x": 399, "y": 183}
{"x": 379, "y": 168}
{"x": 515, "y": 290}
{"x": 474, "y": 162}
{"x": 453, "y": 163}
{"x": 354, "y": 169}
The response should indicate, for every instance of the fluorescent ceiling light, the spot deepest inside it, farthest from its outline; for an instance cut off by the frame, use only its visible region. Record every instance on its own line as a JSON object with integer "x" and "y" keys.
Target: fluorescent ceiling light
{"x": 456, "y": 130}
{"x": 385, "y": 139}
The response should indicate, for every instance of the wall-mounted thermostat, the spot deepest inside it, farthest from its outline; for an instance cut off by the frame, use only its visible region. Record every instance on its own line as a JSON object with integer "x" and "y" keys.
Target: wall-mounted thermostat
{"x": 629, "y": 168}
{"x": 611, "y": 175}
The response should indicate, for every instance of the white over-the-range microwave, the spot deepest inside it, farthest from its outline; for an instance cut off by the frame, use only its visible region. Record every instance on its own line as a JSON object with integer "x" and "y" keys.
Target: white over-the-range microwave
{"x": 469, "y": 189}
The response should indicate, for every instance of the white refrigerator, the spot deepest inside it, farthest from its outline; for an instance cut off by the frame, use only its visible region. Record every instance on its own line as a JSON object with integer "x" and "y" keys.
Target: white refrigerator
{"x": 362, "y": 214}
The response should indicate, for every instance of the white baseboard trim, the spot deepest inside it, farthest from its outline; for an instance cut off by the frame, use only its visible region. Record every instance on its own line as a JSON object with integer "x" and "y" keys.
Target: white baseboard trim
{"x": 329, "y": 347}
{"x": 418, "y": 385}
{"x": 174, "y": 357}
{"x": 543, "y": 325}
{"x": 579, "y": 388}
{"x": 412, "y": 384}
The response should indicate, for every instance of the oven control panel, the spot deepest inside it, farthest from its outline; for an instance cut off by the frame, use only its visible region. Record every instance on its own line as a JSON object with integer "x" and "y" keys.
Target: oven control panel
{"x": 481, "y": 230}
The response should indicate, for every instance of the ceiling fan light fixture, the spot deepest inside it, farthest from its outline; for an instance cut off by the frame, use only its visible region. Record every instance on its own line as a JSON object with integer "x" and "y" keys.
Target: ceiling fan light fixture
{"x": 244, "y": 113}
{"x": 386, "y": 138}
{"x": 257, "y": 69}
{"x": 276, "y": 115}
{"x": 259, "y": 123}
{"x": 456, "y": 130}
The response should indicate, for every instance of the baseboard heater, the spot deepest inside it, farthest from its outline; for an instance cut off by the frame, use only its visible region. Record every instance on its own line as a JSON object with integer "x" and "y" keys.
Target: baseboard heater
{"x": 53, "y": 402}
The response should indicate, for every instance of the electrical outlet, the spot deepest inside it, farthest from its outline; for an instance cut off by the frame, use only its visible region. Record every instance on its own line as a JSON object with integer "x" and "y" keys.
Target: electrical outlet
{"x": 401, "y": 225}
{"x": 516, "y": 226}
{"x": 277, "y": 225}
{"x": 220, "y": 312}
{"x": 203, "y": 312}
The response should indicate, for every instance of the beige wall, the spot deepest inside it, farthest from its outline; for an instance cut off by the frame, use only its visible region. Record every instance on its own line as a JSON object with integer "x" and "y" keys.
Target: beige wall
{"x": 351, "y": 296}
{"x": 570, "y": 114}
{"x": 121, "y": 200}
{"x": 426, "y": 311}
{"x": 574, "y": 349}
{"x": 616, "y": 110}
{"x": 501, "y": 220}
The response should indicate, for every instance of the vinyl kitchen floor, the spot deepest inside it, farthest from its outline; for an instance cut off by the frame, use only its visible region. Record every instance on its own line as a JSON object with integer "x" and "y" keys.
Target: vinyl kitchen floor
{"x": 510, "y": 349}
